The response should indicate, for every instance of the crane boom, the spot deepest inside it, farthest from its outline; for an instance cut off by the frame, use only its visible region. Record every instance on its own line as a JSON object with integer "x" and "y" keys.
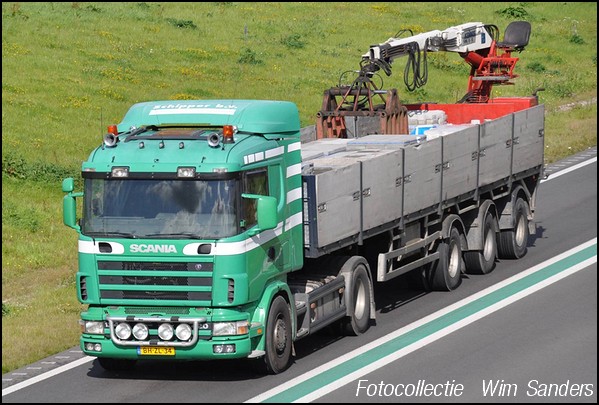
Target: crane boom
{"x": 464, "y": 38}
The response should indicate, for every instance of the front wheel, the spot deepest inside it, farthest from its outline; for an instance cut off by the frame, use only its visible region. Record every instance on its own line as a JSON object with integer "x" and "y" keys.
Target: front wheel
{"x": 278, "y": 337}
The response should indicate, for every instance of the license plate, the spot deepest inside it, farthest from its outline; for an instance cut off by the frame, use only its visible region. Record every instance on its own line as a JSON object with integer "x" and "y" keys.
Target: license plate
{"x": 155, "y": 351}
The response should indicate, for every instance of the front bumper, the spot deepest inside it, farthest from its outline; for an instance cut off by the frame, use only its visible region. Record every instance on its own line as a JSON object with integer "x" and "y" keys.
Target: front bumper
{"x": 201, "y": 350}
{"x": 204, "y": 343}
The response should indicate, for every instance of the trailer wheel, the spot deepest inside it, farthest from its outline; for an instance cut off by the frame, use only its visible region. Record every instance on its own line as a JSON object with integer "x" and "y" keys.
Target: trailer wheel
{"x": 278, "y": 337}
{"x": 512, "y": 242}
{"x": 446, "y": 273}
{"x": 483, "y": 262}
{"x": 116, "y": 364}
{"x": 359, "y": 320}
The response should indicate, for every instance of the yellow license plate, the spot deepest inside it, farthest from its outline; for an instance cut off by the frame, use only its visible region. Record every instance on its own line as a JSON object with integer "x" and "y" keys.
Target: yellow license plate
{"x": 155, "y": 351}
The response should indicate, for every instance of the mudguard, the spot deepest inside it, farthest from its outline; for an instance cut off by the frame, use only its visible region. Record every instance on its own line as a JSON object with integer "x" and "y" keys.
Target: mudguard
{"x": 260, "y": 314}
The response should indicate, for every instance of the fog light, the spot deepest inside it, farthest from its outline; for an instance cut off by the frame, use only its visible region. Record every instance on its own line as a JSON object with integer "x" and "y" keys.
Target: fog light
{"x": 183, "y": 332}
{"x": 93, "y": 347}
{"x": 218, "y": 349}
{"x": 123, "y": 331}
{"x": 165, "y": 331}
{"x": 140, "y": 331}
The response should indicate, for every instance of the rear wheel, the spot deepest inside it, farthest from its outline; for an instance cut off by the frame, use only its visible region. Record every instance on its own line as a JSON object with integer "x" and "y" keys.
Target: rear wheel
{"x": 483, "y": 262}
{"x": 512, "y": 243}
{"x": 445, "y": 274}
{"x": 278, "y": 337}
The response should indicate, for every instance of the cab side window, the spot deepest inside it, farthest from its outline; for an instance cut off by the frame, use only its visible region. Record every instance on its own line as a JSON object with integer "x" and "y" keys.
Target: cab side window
{"x": 255, "y": 182}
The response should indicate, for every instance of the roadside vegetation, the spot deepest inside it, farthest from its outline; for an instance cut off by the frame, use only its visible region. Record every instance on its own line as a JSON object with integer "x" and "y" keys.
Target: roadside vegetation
{"x": 70, "y": 69}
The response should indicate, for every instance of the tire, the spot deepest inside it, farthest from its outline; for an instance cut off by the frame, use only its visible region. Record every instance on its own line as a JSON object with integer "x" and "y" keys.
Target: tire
{"x": 116, "y": 364}
{"x": 278, "y": 337}
{"x": 483, "y": 262}
{"x": 445, "y": 274}
{"x": 512, "y": 243}
{"x": 359, "y": 320}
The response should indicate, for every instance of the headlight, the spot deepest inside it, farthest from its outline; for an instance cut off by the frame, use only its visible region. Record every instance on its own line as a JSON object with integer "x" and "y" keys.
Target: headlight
{"x": 123, "y": 331}
{"x": 230, "y": 328}
{"x": 95, "y": 327}
{"x": 140, "y": 331}
{"x": 183, "y": 332}
{"x": 165, "y": 331}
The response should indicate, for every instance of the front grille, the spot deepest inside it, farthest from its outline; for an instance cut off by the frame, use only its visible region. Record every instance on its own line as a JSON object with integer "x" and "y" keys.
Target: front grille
{"x": 156, "y": 296}
{"x": 187, "y": 282}
{"x": 162, "y": 266}
{"x": 153, "y": 281}
{"x": 157, "y": 310}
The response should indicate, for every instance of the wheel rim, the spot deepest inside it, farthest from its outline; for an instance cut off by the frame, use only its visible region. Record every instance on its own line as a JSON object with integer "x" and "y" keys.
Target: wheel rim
{"x": 454, "y": 261}
{"x": 521, "y": 231}
{"x": 360, "y": 306}
{"x": 280, "y": 336}
{"x": 489, "y": 248}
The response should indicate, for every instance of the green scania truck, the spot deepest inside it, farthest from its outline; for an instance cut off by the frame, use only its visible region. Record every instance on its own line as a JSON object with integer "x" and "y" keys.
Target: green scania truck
{"x": 209, "y": 230}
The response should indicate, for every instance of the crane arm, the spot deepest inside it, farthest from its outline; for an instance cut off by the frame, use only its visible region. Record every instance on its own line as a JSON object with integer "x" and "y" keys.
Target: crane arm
{"x": 464, "y": 38}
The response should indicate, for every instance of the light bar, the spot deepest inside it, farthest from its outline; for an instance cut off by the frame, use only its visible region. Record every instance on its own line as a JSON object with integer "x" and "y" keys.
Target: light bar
{"x": 186, "y": 172}
{"x": 120, "y": 172}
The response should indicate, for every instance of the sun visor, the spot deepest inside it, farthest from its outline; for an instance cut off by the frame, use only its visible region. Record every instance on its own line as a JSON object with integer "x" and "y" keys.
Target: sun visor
{"x": 249, "y": 116}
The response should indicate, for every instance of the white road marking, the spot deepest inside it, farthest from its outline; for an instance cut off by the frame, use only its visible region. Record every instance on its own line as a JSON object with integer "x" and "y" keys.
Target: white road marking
{"x": 433, "y": 337}
{"x": 570, "y": 169}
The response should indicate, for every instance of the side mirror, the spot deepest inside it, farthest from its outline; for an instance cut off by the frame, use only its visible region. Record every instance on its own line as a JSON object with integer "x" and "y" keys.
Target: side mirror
{"x": 69, "y": 211}
{"x": 266, "y": 212}
{"x": 69, "y": 204}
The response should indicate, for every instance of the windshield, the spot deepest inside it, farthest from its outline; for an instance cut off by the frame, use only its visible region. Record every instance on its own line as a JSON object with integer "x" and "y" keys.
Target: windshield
{"x": 140, "y": 208}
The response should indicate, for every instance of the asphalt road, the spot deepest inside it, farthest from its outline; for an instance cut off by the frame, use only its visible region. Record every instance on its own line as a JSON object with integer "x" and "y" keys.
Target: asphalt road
{"x": 536, "y": 343}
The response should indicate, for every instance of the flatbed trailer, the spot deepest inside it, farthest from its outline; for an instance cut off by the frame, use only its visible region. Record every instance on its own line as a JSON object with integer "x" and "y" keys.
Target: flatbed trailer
{"x": 403, "y": 201}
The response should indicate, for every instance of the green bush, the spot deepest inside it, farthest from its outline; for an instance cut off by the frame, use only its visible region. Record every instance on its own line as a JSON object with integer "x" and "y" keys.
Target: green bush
{"x": 517, "y": 13}
{"x": 249, "y": 57}
{"x": 537, "y": 67}
{"x": 576, "y": 39}
{"x": 293, "y": 41}
{"x": 181, "y": 23}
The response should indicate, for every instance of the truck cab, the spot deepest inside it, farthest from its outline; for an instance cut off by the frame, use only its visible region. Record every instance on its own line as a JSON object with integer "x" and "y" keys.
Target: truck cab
{"x": 191, "y": 220}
